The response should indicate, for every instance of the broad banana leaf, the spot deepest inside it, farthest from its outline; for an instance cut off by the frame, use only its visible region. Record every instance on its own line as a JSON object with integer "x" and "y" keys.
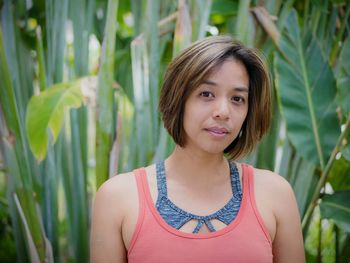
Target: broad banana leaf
{"x": 306, "y": 91}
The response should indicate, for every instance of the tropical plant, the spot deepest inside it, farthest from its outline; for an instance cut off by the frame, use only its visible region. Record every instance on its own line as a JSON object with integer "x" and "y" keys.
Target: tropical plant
{"x": 79, "y": 92}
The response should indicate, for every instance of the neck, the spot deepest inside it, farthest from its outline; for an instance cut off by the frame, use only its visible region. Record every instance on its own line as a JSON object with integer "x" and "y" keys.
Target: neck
{"x": 184, "y": 164}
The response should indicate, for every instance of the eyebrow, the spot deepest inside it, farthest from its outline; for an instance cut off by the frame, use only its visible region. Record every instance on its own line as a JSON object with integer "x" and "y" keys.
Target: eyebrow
{"x": 213, "y": 83}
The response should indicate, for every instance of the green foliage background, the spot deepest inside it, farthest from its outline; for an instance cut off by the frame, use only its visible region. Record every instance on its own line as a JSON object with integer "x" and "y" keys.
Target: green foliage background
{"x": 79, "y": 86}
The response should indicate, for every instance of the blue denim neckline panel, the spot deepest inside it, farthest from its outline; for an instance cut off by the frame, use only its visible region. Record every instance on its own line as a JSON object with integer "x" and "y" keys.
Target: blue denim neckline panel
{"x": 177, "y": 217}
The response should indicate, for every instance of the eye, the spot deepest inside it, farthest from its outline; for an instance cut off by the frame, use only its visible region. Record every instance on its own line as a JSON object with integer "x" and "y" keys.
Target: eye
{"x": 238, "y": 99}
{"x": 206, "y": 94}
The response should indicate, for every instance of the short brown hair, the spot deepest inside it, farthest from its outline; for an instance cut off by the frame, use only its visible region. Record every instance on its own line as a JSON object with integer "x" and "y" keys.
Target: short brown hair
{"x": 188, "y": 70}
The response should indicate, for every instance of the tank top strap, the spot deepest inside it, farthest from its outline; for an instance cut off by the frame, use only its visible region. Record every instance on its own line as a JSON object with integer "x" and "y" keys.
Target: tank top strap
{"x": 140, "y": 177}
{"x": 161, "y": 179}
{"x": 248, "y": 188}
{"x": 235, "y": 181}
{"x": 141, "y": 181}
{"x": 247, "y": 179}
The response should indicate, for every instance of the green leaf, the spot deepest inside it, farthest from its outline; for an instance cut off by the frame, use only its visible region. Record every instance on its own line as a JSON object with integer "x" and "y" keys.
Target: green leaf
{"x": 224, "y": 7}
{"x": 337, "y": 208}
{"x": 183, "y": 29}
{"x": 105, "y": 118}
{"x": 152, "y": 43}
{"x": 343, "y": 78}
{"x": 56, "y": 16}
{"x": 339, "y": 175}
{"x": 304, "y": 181}
{"x": 33, "y": 253}
{"x": 126, "y": 112}
{"x": 199, "y": 16}
{"x": 306, "y": 91}
{"x": 7, "y": 95}
{"x": 142, "y": 102}
{"x": 46, "y": 111}
{"x": 266, "y": 153}
{"x": 245, "y": 31}
{"x": 346, "y": 153}
{"x": 338, "y": 2}
{"x": 32, "y": 222}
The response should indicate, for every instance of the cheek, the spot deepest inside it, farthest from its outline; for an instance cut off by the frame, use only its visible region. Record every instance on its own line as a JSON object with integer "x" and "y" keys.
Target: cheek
{"x": 239, "y": 115}
{"x": 193, "y": 112}
{"x": 245, "y": 116}
{"x": 244, "y": 119}
{"x": 188, "y": 118}
{"x": 245, "y": 113}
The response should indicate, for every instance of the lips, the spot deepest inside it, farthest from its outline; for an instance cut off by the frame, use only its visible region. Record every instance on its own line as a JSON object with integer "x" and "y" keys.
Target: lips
{"x": 217, "y": 131}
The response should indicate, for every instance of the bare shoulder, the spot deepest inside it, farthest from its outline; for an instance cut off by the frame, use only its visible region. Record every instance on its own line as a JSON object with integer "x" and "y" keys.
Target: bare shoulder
{"x": 109, "y": 212}
{"x": 278, "y": 207}
{"x": 270, "y": 177}
{"x": 115, "y": 193}
{"x": 117, "y": 185}
{"x": 274, "y": 190}
{"x": 272, "y": 183}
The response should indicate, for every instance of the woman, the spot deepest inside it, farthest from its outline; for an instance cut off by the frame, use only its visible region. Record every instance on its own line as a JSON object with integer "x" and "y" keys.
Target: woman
{"x": 200, "y": 204}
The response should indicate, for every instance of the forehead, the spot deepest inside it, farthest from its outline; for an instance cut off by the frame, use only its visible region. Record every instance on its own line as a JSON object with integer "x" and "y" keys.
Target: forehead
{"x": 231, "y": 62}
{"x": 230, "y": 71}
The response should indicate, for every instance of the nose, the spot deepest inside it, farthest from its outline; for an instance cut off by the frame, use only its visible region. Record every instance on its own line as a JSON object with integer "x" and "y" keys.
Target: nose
{"x": 221, "y": 110}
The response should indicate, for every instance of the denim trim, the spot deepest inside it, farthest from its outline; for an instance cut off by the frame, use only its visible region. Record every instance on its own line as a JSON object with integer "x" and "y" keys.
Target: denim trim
{"x": 177, "y": 217}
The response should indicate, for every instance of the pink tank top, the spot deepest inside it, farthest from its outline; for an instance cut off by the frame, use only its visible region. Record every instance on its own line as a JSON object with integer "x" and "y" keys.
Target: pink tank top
{"x": 245, "y": 239}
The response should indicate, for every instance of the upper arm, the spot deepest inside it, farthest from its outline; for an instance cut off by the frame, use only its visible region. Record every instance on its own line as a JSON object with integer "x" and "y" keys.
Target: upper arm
{"x": 288, "y": 242}
{"x": 106, "y": 242}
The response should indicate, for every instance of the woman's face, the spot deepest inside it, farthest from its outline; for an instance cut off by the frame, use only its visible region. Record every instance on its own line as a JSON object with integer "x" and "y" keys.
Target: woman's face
{"x": 216, "y": 109}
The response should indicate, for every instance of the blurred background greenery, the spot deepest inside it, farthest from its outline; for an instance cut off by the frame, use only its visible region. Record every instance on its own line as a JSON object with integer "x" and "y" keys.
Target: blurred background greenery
{"x": 79, "y": 85}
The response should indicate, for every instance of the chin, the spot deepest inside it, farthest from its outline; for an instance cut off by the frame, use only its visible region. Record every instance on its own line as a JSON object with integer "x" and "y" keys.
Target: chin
{"x": 214, "y": 150}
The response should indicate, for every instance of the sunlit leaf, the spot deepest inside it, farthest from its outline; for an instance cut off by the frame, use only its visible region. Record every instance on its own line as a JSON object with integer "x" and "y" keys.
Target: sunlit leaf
{"x": 45, "y": 114}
